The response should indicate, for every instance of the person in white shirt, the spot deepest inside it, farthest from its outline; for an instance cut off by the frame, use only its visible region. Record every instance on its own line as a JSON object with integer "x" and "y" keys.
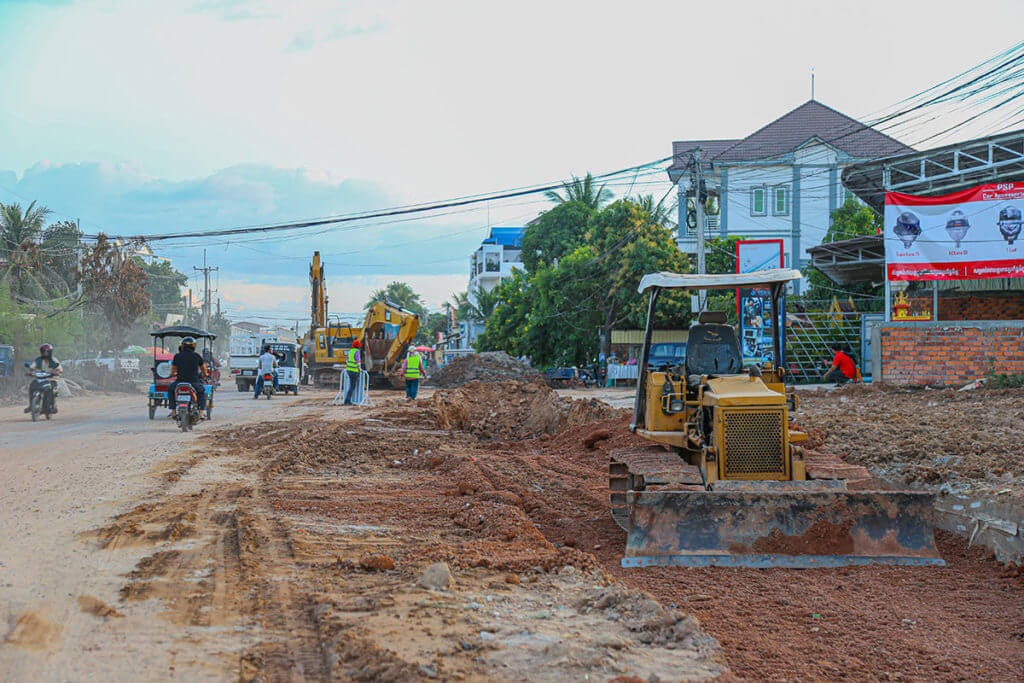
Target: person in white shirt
{"x": 267, "y": 363}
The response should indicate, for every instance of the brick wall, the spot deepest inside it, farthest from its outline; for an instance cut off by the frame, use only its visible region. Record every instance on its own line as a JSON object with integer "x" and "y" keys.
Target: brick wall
{"x": 1003, "y": 305}
{"x": 943, "y": 354}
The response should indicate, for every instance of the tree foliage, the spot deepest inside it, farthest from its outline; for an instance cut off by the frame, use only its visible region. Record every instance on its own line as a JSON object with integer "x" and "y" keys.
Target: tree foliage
{"x": 554, "y": 234}
{"x": 400, "y": 293}
{"x": 164, "y": 286}
{"x": 557, "y": 312}
{"x": 18, "y": 226}
{"x": 583, "y": 190}
{"x": 852, "y": 219}
{"x": 114, "y": 285}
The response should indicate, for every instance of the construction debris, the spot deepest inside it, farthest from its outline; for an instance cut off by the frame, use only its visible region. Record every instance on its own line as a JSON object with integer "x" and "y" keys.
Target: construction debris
{"x": 491, "y": 366}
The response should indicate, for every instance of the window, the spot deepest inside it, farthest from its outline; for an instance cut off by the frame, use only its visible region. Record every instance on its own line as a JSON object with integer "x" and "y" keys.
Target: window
{"x": 757, "y": 201}
{"x": 780, "y": 200}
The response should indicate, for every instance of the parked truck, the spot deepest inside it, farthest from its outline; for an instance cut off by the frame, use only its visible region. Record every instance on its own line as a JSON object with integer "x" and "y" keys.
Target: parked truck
{"x": 245, "y": 350}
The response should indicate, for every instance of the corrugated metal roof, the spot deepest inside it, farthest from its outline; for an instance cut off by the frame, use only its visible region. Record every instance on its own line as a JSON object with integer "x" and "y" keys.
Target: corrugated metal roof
{"x": 509, "y": 237}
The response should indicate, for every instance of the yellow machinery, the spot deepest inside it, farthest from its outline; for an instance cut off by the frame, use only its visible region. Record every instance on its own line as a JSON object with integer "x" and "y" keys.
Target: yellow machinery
{"x": 723, "y": 482}
{"x": 325, "y": 344}
{"x": 386, "y": 335}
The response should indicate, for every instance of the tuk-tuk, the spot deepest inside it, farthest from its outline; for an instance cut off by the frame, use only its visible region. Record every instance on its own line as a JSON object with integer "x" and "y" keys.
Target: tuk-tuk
{"x": 162, "y": 366}
{"x": 289, "y": 365}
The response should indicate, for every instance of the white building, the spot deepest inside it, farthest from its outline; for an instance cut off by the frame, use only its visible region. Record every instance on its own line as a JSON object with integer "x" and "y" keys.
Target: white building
{"x": 780, "y": 182}
{"x": 493, "y": 261}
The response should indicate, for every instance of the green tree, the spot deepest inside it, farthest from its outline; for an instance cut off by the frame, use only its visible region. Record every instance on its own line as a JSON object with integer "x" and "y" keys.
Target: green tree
{"x": 427, "y": 334}
{"x": 557, "y": 314}
{"x": 19, "y": 226}
{"x": 660, "y": 212}
{"x": 164, "y": 283}
{"x": 584, "y": 190}
{"x": 555, "y": 234}
{"x": 852, "y": 219}
{"x": 476, "y": 305}
{"x": 399, "y": 293}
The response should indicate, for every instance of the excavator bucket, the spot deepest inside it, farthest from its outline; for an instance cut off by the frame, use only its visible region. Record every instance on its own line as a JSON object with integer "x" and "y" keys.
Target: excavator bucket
{"x": 779, "y": 527}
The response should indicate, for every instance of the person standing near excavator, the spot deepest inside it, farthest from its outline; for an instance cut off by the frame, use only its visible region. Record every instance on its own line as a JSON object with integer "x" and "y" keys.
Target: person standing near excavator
{"x": 353, "y": 363}
{"x": 412, "y": 370}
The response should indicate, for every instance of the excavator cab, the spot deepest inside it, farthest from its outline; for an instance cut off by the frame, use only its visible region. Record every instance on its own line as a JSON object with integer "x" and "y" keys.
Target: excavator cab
{"x": 723, "y": 481}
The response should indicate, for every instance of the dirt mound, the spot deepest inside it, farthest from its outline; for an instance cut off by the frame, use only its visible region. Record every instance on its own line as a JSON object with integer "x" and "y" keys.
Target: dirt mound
{"x": 512, "y": 410}
{"x": 490, "y": 366}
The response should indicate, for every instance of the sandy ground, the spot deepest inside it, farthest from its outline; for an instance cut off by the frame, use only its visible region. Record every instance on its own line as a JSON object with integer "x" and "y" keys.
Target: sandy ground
{"x": 62, "y": 478}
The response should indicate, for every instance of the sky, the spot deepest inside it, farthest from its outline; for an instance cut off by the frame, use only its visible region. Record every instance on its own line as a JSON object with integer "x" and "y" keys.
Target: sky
{"x": 151, "y": 116}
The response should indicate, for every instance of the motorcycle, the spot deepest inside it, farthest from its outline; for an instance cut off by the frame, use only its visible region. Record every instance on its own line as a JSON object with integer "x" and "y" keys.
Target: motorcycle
{"x": 268, "y": 385}
{"x": 42, "y": 393}
{"x": 186, "y": 407}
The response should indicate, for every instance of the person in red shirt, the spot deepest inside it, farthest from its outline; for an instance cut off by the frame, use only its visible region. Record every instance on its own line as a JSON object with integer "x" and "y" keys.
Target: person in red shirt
{"x": 843, "y": 370}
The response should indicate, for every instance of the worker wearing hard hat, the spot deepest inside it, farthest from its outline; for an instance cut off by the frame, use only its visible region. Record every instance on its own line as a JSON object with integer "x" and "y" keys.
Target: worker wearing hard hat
{"x": 353, "y": 363}
{"x": 412, "y": 370}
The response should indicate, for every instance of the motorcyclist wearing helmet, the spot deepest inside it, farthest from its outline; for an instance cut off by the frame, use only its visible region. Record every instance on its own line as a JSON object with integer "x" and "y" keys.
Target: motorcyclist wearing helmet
{"x": 45, "y": 361}
{"x": 187, "y": 367}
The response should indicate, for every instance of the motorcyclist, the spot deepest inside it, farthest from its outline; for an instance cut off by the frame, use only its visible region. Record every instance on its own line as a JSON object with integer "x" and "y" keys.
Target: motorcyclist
{"x": 45, "y": 362}
{"x": 267, "y": 363}
{"x": 187, "y": 367}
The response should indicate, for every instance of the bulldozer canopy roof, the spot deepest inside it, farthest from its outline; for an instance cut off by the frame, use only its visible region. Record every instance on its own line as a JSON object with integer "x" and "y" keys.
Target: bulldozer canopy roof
{"x": 760, "y": 278}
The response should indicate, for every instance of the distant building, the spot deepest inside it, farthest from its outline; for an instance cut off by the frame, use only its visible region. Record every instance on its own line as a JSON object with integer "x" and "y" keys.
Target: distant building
{"x": 492, "y": 262}
{"x": 781, "y": 181}
{"x": 495, "y": 258}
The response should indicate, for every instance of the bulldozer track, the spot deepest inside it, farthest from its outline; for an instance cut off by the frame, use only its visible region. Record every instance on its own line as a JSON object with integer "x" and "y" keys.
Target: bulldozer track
{"x": 647, "y": 468}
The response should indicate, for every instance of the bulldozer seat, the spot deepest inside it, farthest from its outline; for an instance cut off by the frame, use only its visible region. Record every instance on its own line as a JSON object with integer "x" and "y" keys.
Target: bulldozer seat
{"x": 713, "y": 350}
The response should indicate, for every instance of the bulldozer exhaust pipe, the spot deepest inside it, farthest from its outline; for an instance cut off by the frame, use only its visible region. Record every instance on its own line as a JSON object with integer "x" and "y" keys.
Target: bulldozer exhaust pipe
{"x": 780, "y": 529}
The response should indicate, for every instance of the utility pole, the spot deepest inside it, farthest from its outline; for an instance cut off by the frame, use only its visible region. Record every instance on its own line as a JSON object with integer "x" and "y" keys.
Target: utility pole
{"x": 698, "y": 183}
{"x": 205, "y": 270}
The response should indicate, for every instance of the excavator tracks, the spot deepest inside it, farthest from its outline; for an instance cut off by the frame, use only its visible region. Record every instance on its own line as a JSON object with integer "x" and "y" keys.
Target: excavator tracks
{"x": 647, "y": 468}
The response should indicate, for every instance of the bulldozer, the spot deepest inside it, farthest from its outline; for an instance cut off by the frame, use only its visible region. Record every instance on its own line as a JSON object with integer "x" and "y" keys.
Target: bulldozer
{"x": 724, "y": 481}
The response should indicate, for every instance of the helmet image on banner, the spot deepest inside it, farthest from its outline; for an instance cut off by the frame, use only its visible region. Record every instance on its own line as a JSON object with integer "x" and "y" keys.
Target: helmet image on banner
{"x": 957, "y": 226}
{"x": 1010, "y": 223}
{"x": 907, "y": 228}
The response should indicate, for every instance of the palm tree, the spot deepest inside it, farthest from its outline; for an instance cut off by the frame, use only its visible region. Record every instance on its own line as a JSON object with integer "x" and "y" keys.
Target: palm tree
{"x": 660, "y": 213}
{"x": 479, "y": 306}
{"x": 581, "y": 190}
{"x": 400, "y": 293}
{"x": 18, "y": 227}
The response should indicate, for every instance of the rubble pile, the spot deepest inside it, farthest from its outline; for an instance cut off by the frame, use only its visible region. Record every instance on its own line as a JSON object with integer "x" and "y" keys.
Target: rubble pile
{"x": 491, "y": 366}
{"x": 512, "y": 410}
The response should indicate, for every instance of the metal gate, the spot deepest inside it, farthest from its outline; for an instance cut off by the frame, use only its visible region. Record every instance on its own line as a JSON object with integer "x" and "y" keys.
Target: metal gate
{"x": 809, "y": 336}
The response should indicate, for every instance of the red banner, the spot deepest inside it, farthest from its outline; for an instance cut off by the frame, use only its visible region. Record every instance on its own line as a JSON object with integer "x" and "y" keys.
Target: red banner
{"x": 968, "y": 235}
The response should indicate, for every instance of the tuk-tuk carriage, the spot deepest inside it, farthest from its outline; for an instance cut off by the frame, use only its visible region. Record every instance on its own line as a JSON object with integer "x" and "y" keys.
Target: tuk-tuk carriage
{"x": 162, "y": 366}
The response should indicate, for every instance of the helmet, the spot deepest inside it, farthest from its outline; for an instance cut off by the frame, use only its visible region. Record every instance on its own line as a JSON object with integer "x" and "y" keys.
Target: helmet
{"x": 46, "y": 351}
{"x": 188, "y": 343}
{"x": 907, "y": 228}
{"x": 957, "y": 226}
{"x": 1009, "y": 223}
{"x": 357, "y": 344}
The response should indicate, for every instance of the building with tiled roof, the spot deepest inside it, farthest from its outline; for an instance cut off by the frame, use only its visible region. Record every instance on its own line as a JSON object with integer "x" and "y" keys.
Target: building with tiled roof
{"x": 782, "y": 180}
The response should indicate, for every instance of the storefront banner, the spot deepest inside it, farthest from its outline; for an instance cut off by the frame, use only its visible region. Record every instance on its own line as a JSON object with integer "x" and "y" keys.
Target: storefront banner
{"x": 968, "y": 235}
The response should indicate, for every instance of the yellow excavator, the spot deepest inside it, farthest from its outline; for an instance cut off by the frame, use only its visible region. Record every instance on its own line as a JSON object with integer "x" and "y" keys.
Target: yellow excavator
{"x": 386, "y": 335}
{"x": 723, "y": 481}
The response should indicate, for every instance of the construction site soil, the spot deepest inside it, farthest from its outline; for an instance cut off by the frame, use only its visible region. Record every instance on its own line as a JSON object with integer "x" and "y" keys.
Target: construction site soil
{"x": 944, "y": 439}
{"x": 492, "y": 366}
{"x": 327, "y": 544}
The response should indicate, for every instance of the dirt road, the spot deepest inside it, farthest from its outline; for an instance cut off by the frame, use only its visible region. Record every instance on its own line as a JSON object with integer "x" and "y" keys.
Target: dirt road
{"x": 62, "y": 478}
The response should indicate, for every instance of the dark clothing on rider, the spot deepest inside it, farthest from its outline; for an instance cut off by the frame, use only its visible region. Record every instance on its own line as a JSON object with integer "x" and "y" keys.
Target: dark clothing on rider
{"x": 188, "y": 364}
{"x": 41, "y": 363}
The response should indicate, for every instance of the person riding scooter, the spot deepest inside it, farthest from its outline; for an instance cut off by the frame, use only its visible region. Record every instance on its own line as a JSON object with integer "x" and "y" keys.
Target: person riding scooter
{"x": 267, "y": 364}
{"x": 45, "y": 362}
{"x": 187, "y": 367}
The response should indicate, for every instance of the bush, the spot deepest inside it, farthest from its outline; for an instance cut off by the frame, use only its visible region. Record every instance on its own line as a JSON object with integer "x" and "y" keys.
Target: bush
{"x": 1009, "y": 380}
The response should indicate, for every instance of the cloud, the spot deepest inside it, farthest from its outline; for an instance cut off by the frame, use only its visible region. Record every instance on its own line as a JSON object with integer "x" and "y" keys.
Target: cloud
{"x": 262, "y": 272}
{"x": 313, "y": 37}
{"x": 236, "y": 10}
{"x": 51, "y": 3}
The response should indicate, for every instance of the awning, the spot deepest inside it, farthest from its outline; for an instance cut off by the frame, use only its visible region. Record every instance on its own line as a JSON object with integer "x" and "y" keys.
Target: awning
{"x": 860, "y": 259}
{"x": 759, "y": 278}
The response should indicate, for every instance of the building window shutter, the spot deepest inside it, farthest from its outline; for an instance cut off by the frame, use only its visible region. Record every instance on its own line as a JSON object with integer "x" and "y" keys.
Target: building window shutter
{"x": 780, "y": 200}
{"x": 758, "y": 201}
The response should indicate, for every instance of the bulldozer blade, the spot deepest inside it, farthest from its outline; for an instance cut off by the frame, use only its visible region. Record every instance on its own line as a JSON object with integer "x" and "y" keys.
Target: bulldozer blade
{"x": 779, "y": 529}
